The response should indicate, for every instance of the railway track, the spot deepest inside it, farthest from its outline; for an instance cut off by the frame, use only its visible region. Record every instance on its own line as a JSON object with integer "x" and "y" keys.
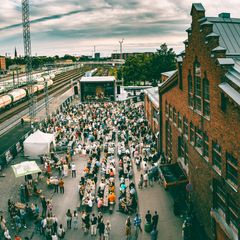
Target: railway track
{"x": 61, "y": 81}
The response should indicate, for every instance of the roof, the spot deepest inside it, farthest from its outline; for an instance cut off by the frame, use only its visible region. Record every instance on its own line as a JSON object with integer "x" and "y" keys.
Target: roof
{"x": 169, "y": 74}
{"x": 98, "y": 79}
{"x": 231, "y": 87}
{"x": 153, "y": 95}
{"x": 198, "y": 6}
{"x": 231, "y": 92}
{"x": 228, "y": 30}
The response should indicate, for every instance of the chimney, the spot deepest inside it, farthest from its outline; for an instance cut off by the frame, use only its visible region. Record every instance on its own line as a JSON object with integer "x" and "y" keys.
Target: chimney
{"x": 224, "y": 15}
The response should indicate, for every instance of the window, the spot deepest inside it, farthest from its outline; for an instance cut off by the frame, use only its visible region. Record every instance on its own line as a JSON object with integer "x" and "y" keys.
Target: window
{"x": 168, "y": 140}
{"x": 232, "y": 217}
{"x": 232, "y": 169}
{"x": 199, "y": 140}
{"x": 216, "y": 156}
{"x": 220, "y": 200}
{"x": 206, "y": 98}
{"x": 155, "y": 114}
{"x": 185, "y": 127}
{"x": 170, "y": 112}
{"x": 174, "y": 115}
{"x": 190, "y": 90}
{"x": 166, "y": 108}
{"x": 179, "y": 120}
{"x": 205, "y": 146}
{"x": 226, "y": 206}
{"x": 183, "y": 149}
{"x": 197, "y": 87}
{"x": 192, "y": 134}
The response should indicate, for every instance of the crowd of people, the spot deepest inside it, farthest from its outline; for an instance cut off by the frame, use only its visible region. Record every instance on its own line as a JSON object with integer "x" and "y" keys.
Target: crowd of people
{"x": 112, "y": 137}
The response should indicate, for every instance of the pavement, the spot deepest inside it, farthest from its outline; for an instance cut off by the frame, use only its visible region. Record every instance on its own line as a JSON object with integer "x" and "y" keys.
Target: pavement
{"x": 151, "y": 198}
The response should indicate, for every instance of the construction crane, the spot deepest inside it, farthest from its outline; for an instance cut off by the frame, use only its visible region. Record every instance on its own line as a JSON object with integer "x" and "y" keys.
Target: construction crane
{"x": 28, "y": 56}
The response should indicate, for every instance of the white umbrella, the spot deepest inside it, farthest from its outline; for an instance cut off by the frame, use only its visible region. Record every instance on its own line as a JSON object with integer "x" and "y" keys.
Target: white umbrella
{"x": 25, "y": 168}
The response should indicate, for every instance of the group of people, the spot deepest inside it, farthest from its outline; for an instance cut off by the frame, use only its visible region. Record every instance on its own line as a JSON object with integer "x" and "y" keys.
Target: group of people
{"x": 109, "y": 136}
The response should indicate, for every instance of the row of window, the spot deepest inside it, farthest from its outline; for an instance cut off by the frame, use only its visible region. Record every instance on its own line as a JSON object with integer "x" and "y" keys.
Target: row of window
{"x": 200, "y": 141}
{"x": 198, "y": 91}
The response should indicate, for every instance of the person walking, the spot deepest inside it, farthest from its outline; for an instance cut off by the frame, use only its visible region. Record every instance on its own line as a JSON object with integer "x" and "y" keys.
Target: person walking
{"x": 61, "y": 185}
{"x": 128, "y": 228}
{"x": 69, "y": 219}
{"x": 137, "y": 222}
{"x": 155, "y": 218}
{"x": 93, "y": 225}
{"x": 107, "y": 230}
{"x": 75, "y": 220}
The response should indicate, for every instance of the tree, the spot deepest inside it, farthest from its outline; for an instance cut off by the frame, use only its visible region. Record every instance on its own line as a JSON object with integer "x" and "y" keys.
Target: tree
{"x": 141, "y": 68}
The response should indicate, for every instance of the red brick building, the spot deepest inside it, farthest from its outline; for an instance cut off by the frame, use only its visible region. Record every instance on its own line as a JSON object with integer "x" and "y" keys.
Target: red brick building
{"x": 151, "y": 105}
{"x": 199, "y": 120}
{"x": 2, "y": 63}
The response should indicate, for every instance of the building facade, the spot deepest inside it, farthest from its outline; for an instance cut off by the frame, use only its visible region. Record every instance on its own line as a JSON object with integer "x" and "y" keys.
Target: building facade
{"x": 199, "y": 118}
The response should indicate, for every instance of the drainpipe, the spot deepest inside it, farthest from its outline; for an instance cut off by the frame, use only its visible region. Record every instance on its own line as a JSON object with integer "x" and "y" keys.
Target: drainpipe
{"x": 160, "y": 135}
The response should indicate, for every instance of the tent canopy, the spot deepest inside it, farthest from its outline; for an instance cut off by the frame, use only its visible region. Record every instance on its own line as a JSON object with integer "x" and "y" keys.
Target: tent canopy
{"x": 25, "y": 168}
{"x": 38, "y": 143}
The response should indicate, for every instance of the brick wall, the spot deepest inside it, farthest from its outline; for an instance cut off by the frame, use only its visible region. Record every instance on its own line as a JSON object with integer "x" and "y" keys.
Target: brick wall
{"x": 222, "y": 127}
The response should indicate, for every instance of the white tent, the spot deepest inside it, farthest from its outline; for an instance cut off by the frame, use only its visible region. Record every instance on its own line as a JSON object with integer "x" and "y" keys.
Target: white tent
{"x": 38, "y": 143}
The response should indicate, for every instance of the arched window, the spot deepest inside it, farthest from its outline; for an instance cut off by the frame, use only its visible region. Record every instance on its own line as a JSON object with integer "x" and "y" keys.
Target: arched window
{"x": 197, "y": 87}
{"x": 190, "y": 89}
{"x": 206, "y": 98}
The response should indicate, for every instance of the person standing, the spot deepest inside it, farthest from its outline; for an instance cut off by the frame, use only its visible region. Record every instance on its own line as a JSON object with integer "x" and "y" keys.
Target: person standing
{"x": 101, "y": 229}
{"x": 93, "y": 225}
{"x": 69, "y": 219}
{"x": 107, "y": 230}
{"x": 60, "y": 232}
{"x": 44, "y": 207}
{"x": 75, "y": 220}
{"x": 145, "y": 179}
{"x": 155, "y": 218}
{"x": 128, "y": 228}
{"x": 148, "y": 217}
{"x": 73, "y": 167}
{"x": 61, "y": 185}
{"x": 154, "y": 234}
{"x": 56, "y": 185}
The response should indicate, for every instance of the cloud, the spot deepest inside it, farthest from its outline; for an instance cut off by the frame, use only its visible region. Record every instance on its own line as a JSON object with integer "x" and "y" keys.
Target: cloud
{"x": 60, "y": 26}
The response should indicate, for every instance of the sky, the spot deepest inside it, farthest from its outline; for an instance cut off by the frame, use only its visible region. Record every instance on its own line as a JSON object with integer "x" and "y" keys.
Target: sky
{"x": 74, "y": 27}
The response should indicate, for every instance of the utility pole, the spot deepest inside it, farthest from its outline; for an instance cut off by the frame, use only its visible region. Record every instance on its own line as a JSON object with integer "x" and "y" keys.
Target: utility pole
{"x": 121, "y": 54}
{"x": 27, "y": 52}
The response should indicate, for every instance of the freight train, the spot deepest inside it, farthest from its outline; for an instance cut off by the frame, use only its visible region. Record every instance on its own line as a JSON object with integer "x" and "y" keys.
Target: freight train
{"x": 21, "y": 94}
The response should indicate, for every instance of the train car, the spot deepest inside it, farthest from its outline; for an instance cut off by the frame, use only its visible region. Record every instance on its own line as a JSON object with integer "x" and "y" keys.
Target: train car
{"x": 5, "y": 101}
{"x": 49, "y": 83}
{"x": 40, "y": 87}
{"x": 18, "y": 94}
{"x": 40, "y": 79}
{"x": 34, "y": 89}
{"x": 46, "y": 77}
{"x": 52, "y": 75}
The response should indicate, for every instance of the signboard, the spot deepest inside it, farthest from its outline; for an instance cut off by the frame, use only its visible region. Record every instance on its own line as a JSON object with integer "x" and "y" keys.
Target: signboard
{"x": 8, "y": 156}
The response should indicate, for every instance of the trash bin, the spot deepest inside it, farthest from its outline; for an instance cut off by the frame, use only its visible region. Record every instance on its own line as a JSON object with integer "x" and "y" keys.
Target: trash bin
{"x": 148, "y": 227}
